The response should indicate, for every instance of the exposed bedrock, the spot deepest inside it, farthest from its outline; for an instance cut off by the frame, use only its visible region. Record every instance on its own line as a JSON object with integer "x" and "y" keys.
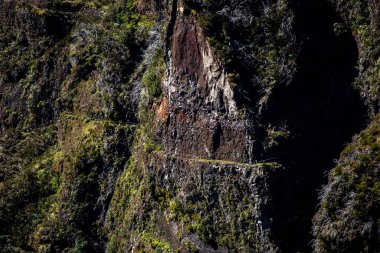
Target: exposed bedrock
{"x": 303, "y": 125}
{"x": 189, "y": 126}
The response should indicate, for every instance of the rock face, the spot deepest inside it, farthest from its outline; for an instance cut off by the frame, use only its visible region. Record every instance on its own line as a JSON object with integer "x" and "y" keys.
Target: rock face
{"x": 189, "y": 126}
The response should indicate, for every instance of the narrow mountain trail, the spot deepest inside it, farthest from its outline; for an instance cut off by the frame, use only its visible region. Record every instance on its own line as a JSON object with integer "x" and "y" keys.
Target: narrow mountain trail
{"x": 256, "y": 165}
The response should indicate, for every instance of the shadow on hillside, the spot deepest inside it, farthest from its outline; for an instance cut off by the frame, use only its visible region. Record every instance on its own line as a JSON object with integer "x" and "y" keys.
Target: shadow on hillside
{"x": 321, "y": 110}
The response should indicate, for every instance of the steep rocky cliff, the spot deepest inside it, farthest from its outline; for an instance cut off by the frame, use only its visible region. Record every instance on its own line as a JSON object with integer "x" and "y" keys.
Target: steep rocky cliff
{"x": 189, "y": 126}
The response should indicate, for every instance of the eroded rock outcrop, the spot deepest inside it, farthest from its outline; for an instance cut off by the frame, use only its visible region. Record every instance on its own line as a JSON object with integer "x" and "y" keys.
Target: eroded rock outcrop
{"x": 188, "y": 125}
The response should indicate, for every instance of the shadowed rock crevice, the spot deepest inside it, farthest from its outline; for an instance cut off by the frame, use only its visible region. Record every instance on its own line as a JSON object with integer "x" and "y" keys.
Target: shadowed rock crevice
{"x": 314, "y": 116}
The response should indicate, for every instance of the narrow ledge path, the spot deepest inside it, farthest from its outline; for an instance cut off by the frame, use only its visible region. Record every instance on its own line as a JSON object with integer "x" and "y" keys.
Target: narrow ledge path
{"x": 257, "y": 165}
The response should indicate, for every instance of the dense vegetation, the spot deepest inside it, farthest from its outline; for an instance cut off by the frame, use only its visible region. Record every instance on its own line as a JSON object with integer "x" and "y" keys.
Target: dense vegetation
{"x": 348, "y": 219}
{"x": 67, "y": 118}
{"x": 115, "y": 137}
